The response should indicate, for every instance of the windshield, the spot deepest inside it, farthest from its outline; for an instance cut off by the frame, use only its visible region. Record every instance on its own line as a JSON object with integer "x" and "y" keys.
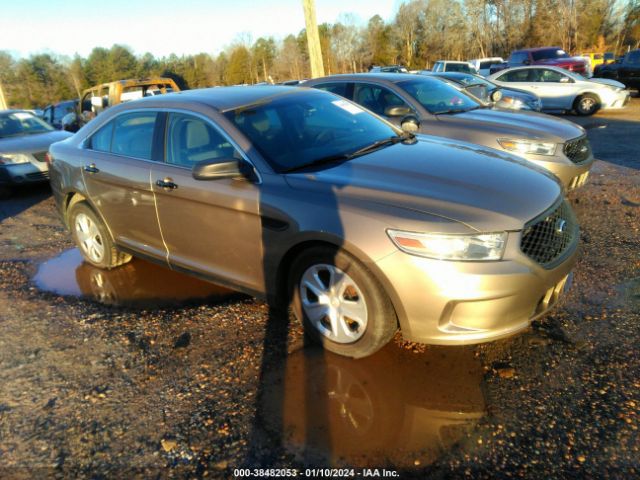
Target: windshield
{"x": 549, "y": 54}
{"x": 438, "y": 96}
{"x": 15, "y": 124}
{"x": 468, "y": 80}
{"x": 300, "y": 129}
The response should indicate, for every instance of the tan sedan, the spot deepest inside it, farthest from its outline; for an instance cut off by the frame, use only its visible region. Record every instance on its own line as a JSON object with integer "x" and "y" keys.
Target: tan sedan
{"x": 289, "y": 193}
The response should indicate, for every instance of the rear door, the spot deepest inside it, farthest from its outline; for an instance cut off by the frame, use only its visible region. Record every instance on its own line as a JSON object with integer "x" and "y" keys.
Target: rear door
{"x": 117, "y": 174}
{"x": 212, "y": 227}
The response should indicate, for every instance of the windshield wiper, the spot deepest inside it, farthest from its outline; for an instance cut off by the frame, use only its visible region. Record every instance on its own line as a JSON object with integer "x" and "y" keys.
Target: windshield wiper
{"x": 348, "y": 156}
{"x": 381, "y": 143}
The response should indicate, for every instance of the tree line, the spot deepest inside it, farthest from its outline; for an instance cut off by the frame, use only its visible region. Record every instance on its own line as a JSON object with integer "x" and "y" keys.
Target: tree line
{"x": 421, "y": 32}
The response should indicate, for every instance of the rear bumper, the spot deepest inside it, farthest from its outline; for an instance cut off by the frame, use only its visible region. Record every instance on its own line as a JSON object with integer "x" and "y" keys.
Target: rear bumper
{"x": 456, "y": 303}
{"x": 22, "y": 173}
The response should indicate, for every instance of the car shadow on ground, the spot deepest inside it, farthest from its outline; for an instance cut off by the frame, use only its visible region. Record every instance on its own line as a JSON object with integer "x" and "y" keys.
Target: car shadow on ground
{"x": 22, "y": 199}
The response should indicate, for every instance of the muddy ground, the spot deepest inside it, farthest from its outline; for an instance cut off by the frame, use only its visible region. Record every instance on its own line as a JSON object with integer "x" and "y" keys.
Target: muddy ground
{"x": 139, "y": 372}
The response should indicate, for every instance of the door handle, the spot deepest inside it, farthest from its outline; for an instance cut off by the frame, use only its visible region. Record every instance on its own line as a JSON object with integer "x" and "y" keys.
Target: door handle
{"x": 167, "y": 184}
{"x": 91, "y": 168}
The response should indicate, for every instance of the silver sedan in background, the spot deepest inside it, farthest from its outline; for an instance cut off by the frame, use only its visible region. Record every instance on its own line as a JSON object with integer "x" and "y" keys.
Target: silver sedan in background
{"x": 560, "y": 89}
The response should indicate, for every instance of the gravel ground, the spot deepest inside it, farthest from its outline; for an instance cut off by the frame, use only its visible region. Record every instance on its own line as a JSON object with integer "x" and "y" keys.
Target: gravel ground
{"x": 144, "y": 387}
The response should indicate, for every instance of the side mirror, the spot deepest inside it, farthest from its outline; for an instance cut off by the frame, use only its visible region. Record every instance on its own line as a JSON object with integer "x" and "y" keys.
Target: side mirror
{"x": 397, "y": 111}
{"x": 218, "y": 168}
{"x": 526, "y": 62}
{"x": 410, "y": 124}
{"x": 496, "y": 95}
{"x": 565, "y": 79}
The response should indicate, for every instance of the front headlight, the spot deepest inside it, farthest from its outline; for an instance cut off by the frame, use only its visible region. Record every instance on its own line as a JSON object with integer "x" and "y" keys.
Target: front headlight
{"x": 480, "y": 246}
{"x": 527, "y": 146}
{"x": 13, "y": 158}
{"x": 512, "y": 102}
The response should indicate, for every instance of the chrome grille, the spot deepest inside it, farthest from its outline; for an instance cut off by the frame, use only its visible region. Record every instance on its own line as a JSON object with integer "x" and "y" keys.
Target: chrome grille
{"x": 577, "y": 150}
{"x": 549, "y": 238}
{"x": 40, "y": 156}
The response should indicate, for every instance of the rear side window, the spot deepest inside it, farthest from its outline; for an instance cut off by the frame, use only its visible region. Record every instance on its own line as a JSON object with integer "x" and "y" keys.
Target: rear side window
{"x": 337, "y": 88}
{"x": 458, "y": 67}
{"x": 515, "y": 76}
{"x": 133, "y": 135}
{"x": 519, "y": 57}
{"x": 101, "y": 140}
{"x": 634, "y": 57}
{"x": 191, "y": 140}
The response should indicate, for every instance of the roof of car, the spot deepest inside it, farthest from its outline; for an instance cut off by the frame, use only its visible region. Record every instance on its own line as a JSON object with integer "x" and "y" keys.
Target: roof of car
{"x": 452, "y": 74}
{"x": 384, "y": 76}
{"x": 225, "y": 98}
{"x": 537, "y": 49}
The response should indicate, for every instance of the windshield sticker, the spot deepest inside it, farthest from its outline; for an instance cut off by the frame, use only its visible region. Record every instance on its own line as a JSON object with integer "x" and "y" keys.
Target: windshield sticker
{"x": 22, "y": 116}
{"x": 349, "y": 107}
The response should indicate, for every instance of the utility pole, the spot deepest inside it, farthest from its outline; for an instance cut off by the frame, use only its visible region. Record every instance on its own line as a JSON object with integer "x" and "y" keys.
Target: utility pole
{"x": 3, "y": 101}
{"x": 313, "y": 39}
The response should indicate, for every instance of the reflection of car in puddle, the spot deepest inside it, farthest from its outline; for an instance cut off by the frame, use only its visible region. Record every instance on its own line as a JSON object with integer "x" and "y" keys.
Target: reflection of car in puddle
{"x": 395, "y": 406}
{"x": 136, "y": 283}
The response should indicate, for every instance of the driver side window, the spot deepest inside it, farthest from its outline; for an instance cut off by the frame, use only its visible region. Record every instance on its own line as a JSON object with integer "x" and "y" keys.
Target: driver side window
{"x": 376, "y": 98}
{"x": 191, "y": 140}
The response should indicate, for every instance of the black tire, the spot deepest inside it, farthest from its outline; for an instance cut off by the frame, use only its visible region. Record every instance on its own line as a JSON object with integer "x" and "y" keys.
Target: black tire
{"x": 381, "y": 320}
{"x": 586, "y": 104}
{"x": 100, "y": 240}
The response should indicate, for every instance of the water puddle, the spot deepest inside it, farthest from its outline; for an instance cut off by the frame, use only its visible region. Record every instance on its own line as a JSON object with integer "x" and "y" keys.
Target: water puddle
{"x": 395, "y": 407}
{"x": 138, "y": 283}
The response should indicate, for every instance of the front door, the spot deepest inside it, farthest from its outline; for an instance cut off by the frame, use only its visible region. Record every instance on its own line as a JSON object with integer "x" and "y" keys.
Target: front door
{"x": 211, "y": 227}
{"x": 556, "y": 89}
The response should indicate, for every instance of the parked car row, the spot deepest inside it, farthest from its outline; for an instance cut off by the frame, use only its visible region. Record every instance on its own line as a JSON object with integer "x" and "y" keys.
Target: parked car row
{"x": 368, "y": 202}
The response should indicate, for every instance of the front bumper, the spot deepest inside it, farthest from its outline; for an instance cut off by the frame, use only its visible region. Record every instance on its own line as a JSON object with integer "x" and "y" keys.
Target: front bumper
{"x": 618, "y": 100}
{"x": 456, "y": 303}
{"x": 23, "y": 173}
{"x": 572, "y": 175}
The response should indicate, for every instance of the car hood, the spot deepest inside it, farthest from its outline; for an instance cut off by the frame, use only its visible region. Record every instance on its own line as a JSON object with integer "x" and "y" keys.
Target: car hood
{"x": 515, "y": 124}
{"x": 32, "y": 143}
{"x": 482, "y": 188}
{"x": 607, "y": 81}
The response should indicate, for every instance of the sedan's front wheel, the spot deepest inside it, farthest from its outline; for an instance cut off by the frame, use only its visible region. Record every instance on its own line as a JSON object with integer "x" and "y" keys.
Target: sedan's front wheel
{"x": 587, "y": 104}
{"x": 340, "y": 304}
{"x": 93, "y": 238}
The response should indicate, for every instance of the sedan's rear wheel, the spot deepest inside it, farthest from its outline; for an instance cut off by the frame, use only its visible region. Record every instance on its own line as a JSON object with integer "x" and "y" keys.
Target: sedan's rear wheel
{"x": 340, "y": 304}
{"x": 93, "y": 238}
{"x": 587, "y": 104}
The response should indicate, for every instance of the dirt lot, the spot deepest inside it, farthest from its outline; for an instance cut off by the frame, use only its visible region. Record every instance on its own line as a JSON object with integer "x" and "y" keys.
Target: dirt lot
{"x": 139, "y": 372}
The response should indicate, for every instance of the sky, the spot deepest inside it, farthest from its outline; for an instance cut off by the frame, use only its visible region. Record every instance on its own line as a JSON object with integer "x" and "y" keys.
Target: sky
{"x": 162, "y": 27}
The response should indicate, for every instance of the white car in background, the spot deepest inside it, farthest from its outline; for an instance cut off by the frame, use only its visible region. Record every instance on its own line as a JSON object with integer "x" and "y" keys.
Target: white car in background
{"x": 560, "y": 89}
{"x": 483, "y": 65}
{"x": 453, "y": 66}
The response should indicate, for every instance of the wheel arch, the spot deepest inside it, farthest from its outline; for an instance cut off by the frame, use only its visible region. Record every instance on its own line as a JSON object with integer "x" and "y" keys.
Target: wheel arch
{"x": 286, "y": 262}
{"x": 71, "y": 198}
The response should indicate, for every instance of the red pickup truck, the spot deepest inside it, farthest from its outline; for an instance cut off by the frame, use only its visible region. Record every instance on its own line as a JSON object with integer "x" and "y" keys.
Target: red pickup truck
{"x": 543, "y": 56}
